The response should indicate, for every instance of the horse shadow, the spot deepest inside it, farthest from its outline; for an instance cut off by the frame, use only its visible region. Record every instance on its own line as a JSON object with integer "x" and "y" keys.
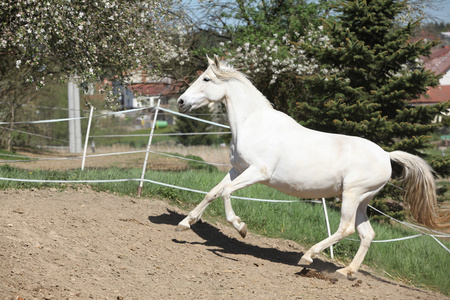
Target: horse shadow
{"x": 223, "y": 245}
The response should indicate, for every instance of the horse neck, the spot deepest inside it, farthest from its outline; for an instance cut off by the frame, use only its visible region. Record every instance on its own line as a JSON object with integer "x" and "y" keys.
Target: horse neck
{"x": 242, "y": 100}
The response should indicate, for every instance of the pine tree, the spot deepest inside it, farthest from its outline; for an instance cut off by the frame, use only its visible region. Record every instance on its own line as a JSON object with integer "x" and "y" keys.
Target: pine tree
{"x": 371, "y": 72}
{"x": 189, "y": 126}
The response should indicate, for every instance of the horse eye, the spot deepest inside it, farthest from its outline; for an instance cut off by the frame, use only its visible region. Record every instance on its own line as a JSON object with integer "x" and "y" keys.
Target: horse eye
{"x": 206, "y": 79}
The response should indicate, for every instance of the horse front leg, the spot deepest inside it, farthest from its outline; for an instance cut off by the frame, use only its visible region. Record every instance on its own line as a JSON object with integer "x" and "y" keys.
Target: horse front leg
{"x": 237, "y": 223}
{"x": 250, "y": 176}
{"x": 197, "y": 212}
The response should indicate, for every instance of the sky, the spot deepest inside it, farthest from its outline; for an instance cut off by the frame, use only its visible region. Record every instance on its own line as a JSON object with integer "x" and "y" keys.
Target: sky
{"x": 440, "y": 9}
{"x": 443, "y": 11}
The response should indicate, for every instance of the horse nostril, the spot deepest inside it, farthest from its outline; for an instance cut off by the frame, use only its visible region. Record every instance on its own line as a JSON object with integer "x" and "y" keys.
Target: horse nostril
{"x": 180, "y": 101}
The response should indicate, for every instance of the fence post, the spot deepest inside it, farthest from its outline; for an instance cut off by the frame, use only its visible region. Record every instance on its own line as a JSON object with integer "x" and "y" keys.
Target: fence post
{"x": 328, "y": 225}
{"x": 87, "y": 137}
{"x": 74, "y": 116}
{"x": 141, "y": 183}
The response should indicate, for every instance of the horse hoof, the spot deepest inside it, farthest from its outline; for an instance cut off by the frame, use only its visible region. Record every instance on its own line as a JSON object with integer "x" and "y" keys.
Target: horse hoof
{"x": 305, "y": 261}
{"x": 243, "y": 230}
{"x": 182, "y": 228}
{"x": 345, "y": 273}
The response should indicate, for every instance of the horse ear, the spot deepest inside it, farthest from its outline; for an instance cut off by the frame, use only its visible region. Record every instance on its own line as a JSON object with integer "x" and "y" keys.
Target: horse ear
{"x": 217, "y": 61}
{"x": 210, "y": 61}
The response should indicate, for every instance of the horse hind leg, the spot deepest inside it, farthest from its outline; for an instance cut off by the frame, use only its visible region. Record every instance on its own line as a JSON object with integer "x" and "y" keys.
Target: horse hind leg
{"x": 346, "y": 228}
{"x": 353, "y": 213}
{"x": 366, "y": 235}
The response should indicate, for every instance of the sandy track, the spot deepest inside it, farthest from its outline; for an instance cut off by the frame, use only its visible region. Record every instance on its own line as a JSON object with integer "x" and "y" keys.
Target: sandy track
{"x": 80, "y": 244}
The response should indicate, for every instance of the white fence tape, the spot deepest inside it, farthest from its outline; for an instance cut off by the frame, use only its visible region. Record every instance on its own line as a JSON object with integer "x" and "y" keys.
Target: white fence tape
{"x": 42, "y": 121}
{"x": 439, "y": 242}
{"x": 80, "y": 118}
{"x": 108, "y": 154}
{"x": 34, "y": 134}
{"x": 68, "y": 119}
{"x": 193, "y": 118}
{"x": 154, "y": 182}
{"x": 391, "y": 240}
{"x": 118, "y": 113}
{"x": 158, "y": 134}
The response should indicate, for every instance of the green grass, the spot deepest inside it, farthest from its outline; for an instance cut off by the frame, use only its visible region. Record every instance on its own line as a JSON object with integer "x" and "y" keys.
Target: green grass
{"x": 6, "y": 155}
{"x": 142, "y": 141}
{"x": 136, "y": 141}
{"x": 419, "y": 261}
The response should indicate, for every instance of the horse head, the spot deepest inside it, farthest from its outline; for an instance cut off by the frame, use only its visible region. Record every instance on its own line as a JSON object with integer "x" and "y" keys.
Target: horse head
{"x": 208, "y": 88}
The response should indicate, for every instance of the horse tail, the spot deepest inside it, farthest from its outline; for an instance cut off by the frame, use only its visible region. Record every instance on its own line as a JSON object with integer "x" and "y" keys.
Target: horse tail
{"x": 420, "y": 187}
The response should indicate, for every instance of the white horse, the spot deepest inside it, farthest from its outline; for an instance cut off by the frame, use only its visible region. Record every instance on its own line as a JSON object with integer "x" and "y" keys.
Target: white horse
{"x": 269, "y": 147}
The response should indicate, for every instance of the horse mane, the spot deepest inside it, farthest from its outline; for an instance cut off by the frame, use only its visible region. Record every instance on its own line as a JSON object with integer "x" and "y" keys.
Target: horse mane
{"x": 226, "y": 72}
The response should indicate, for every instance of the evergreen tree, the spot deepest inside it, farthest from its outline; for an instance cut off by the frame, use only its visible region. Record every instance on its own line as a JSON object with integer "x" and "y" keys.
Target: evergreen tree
{"x": 190, "y": 127}
{"x": 370, "y": 74}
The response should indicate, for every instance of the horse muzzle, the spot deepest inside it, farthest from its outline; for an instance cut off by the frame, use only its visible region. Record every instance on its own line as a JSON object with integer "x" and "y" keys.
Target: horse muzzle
{"x": 183, "y": 107}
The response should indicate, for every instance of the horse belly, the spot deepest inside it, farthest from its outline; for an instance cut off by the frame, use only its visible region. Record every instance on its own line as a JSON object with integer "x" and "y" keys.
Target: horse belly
{"x": 325, "y": 186}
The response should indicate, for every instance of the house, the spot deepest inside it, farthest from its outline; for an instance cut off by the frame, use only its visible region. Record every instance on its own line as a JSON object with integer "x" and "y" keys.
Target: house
{"x": 439, "y": 62}
{"x": 148, "y": 94}
{"x": 144, "y": 91}
{"x": 445, "y": 35}
{"x": 148, "y": 90}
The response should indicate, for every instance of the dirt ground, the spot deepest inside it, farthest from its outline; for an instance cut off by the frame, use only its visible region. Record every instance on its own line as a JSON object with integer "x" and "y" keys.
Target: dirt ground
{"x": 127, "y": 159}
{"x": 80, "y": 244}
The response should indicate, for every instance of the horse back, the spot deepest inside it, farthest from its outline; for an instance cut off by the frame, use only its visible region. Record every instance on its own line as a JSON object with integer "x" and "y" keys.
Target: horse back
{"x": 309, "y": 163}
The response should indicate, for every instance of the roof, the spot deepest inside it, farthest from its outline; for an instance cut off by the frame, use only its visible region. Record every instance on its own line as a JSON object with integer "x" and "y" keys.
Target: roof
{"x": 446, "y": 34}
{"x": 439, "y": 60}
{"x": 424, "y": 35}
{"x": 435, "y": 95}
{"x": 156, "y": 89}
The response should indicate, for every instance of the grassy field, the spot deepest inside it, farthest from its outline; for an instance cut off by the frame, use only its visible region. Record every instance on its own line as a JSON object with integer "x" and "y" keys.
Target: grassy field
{"x": 6, "y": 155}
{"x": 419, "y": 261}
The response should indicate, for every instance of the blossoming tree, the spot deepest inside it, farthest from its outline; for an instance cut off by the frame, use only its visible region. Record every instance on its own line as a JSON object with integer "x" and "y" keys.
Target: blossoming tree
{"x": 44, "y": 41}
{"x": 60, "y": 38}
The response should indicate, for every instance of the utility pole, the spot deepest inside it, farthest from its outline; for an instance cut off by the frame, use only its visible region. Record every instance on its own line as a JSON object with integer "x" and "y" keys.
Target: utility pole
{"x": 74, "y": 117}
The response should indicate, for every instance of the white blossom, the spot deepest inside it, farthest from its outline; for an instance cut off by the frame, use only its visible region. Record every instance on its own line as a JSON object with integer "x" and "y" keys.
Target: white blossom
{"x": 277, "y": 56}
{"x": 85, "y": 35}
